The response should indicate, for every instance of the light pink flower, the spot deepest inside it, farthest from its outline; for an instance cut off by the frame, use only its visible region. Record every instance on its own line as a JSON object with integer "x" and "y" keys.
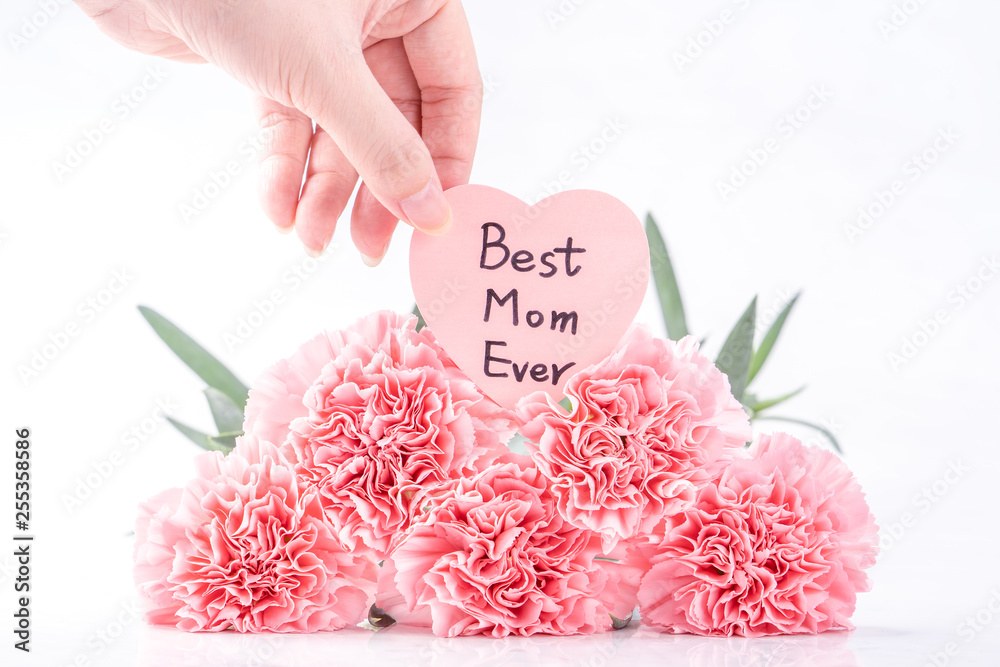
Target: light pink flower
{"x": 778, "y": 544}
{"x": 276, "y": 397}
{"x": 243, "y": 547}
{"x": 494, "y": 557}
{"x": 386, "y": 421}
{"x": 648, "y": 425}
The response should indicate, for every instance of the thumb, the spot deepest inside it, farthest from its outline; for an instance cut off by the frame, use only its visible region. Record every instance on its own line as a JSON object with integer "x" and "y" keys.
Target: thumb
{"x": 380, "y": 142}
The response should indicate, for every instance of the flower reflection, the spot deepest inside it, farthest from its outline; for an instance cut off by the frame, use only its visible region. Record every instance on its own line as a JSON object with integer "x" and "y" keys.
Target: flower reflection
{"x": 416, "y": 647}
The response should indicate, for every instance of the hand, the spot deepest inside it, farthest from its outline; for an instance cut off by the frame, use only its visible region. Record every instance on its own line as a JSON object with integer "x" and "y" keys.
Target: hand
{"x": 393, "y": 87}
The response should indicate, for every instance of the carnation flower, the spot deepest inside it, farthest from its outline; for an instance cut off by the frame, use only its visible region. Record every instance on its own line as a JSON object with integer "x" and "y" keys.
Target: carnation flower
{"x": 378, "y": 417}
{"x": 275, "y": 399}
{"x": 778, "y": 544}
{"x": 647, "y": 426}
{"x": 243, "y": 547}
{"x": 494, "y": 557}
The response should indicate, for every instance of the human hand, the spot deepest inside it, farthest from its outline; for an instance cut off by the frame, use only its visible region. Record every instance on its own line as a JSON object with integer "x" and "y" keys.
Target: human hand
{"x": 393, "y": 87}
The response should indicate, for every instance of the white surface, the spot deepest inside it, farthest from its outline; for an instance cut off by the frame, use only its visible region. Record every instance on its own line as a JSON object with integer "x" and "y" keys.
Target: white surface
{"x": 553, "y": 90}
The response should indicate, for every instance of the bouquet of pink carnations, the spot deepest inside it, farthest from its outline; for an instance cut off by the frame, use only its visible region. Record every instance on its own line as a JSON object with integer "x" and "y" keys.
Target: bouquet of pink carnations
{"x": 367, "y": 479}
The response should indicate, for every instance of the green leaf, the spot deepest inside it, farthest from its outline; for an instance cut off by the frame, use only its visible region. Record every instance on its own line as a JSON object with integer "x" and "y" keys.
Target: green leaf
{"x": 757, "y": 405}
{"x": 224, "y": 442}
{"x": 566, "y": 403}
{"x": 621, "y": 623}
{"x": 227, "y": 415}
{"x": 420, "y": 318}
{"x": 197, "y": 358}
{"x": 826, "y": 432}
{"x": 760, "y": 356}
{"x": 734, "y": 357}
{"x": 666, "y": 282}
{"x": 516, "y": 444}
{"x": 205, "y": 441}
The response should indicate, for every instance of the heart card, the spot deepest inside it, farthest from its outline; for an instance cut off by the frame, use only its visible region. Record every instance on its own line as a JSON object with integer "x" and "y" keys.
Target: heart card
{"x": 523, "y": 296}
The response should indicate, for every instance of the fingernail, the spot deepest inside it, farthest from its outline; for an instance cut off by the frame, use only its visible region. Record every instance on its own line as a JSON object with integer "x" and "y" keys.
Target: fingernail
{"x": 428, "y": 210}
{"x": 285, "y": 230}
{"x": 313, "y": 252}
{"x": 375, "y": 261}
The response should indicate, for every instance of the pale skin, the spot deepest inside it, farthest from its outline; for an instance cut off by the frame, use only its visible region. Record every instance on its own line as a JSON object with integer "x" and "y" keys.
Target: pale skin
{"x": 392, "y": 85}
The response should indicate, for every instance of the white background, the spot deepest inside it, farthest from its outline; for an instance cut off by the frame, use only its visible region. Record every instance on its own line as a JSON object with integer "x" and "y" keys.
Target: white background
{"x": 554, "y": 86}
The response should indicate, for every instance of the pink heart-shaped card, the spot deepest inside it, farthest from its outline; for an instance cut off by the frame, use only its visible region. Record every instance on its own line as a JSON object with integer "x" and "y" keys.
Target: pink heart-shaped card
{"x": 523, "y": 296}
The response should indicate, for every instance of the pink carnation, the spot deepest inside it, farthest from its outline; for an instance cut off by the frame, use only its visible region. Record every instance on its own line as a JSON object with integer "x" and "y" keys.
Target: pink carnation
{"x": 243, "y": 547}
{"x": 494, "y": 557}
{"x": 778, "y": 544}
{"x": 648, "y": 425}
{"x": 386, "y": 419}
{"x": 277, "y": 395}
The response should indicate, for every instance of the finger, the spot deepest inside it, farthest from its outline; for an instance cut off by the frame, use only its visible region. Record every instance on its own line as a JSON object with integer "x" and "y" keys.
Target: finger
{"x": 443, "y": 58}
{"x": 372, "y": 224}
{"x": 348, "y": 102}
{"x": 330, "y": 179}
{"x": 119, "y": 20}
{"x": 286, "y": 136}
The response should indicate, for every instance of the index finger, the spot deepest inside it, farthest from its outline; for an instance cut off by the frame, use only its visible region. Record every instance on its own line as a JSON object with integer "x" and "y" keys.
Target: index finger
{"x": 443, "y": 58}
